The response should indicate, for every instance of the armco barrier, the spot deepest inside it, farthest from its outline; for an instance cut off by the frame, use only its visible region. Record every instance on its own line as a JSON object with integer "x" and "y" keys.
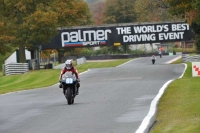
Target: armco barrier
{"x": 15, "y": 68}
{"x": 188, "y": 58}
{"x": 80, "y": 60}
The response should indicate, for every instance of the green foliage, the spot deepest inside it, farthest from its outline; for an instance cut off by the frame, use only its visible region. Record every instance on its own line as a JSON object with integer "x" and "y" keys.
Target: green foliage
{"x": 170, "y": 48}
{"x": 73, "y": 51}
{"x": 29, "y": 23}
{"x": 137, "y": 52}
{"x": 108, "y": 50}
{"x": 4, "y": 56}
{"x": 6, "y": 37}
{"x": 5, "y": 48}
{"x": 40, "y": 26}
{"x": 177, "y": 7}
{"x": 189, "y": 50}
{"x": 196, "y": 30}
{"x": 187, "y": 9}
{"x": 88, "y": 51}
{"x": 72, "y": 13}
{"x": 119, "y": 11}
{"x": 197, "y": 43}
{"x": 152, "y": 10}
{"x": 175, "y": 46}
{"x": 103, "y": 50}
{"x": 190, "y": 11}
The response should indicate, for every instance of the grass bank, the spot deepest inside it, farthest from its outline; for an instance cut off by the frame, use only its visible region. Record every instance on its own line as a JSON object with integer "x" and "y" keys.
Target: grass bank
{"x": 178, "y": 109}
{"x": 43, "y": 78}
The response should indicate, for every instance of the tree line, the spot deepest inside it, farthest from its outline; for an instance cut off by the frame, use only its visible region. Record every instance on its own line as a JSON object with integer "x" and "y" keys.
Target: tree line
{"x": 27, "y": 23}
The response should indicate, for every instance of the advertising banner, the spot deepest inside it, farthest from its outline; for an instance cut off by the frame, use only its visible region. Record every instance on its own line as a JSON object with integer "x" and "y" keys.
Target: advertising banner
{"x": 121, "y": 35}
{"x": 195, "y": 69}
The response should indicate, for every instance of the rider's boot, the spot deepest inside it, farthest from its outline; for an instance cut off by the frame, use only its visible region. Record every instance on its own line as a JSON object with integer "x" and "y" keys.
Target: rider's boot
{"x": 77, "y": 92}
{"x": 60, "y": 85}
{"x": 78, "y": 86}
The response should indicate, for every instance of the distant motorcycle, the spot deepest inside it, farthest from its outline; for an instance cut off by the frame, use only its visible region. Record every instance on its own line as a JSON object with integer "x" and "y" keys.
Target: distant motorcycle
{"x": 69, "y": 85}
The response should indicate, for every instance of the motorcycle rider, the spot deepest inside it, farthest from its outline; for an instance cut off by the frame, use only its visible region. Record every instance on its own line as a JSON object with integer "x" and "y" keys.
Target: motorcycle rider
{"x": 69, "y": 67}
{"x": 160, "y": 53}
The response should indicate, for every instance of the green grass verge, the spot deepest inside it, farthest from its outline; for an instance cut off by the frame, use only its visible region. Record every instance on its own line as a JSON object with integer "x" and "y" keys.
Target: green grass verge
{"x": 177, "y": 61}
{"x": 43, "y": 78}
{"x": 179, "y": 108}
{"x": 193, "y": 50}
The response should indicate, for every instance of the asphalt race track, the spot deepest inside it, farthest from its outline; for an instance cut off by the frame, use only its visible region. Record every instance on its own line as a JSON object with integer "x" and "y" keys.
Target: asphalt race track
{"x": 110, "y": 100}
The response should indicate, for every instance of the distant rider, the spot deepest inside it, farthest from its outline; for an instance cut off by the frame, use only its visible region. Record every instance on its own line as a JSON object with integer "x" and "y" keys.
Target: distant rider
{"x": 69, "y": 67}
{"x": 160, "y": 53}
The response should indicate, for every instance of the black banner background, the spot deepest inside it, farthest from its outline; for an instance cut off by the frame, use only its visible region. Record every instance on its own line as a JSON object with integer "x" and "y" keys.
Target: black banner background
{"x": 125, "y": 35}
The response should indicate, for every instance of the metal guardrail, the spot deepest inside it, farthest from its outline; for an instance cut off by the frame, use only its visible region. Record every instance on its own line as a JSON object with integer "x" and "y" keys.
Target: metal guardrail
{"x": 15, "y": 68}
{"x": 188, "y": 58}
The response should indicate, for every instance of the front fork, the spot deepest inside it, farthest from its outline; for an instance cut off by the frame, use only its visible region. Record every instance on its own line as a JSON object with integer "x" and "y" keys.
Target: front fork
{"x": 74, "y": 88}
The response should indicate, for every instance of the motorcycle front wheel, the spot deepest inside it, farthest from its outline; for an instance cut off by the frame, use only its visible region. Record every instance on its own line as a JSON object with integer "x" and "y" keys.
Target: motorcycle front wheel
{"x": 69, "y": 96}
{"x": 153, "y": 61}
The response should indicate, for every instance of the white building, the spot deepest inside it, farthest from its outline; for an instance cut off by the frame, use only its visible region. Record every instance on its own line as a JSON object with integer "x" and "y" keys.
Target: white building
{"x": 13, "y": 57}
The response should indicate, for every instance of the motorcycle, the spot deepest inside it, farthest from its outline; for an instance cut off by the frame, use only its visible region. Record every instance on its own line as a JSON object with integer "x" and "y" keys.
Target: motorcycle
{"x": 69, "y": 85}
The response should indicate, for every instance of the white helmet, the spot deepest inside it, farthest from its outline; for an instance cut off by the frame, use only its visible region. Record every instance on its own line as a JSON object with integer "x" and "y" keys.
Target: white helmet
{"x": 68, "y": 64}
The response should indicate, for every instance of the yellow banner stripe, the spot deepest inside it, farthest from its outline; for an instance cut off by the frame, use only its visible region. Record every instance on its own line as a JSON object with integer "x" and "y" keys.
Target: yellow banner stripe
{"x": 117, "y": 44}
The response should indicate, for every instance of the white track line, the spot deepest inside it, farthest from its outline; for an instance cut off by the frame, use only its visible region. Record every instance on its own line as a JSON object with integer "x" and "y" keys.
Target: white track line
{"x": 145, "y": 125}
{"x": 173, "y": 59}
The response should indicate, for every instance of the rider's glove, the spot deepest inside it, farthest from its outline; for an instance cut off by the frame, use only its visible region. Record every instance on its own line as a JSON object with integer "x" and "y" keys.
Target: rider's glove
{"x": 78, "y": 80}
{"x": 59, "y": 81}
